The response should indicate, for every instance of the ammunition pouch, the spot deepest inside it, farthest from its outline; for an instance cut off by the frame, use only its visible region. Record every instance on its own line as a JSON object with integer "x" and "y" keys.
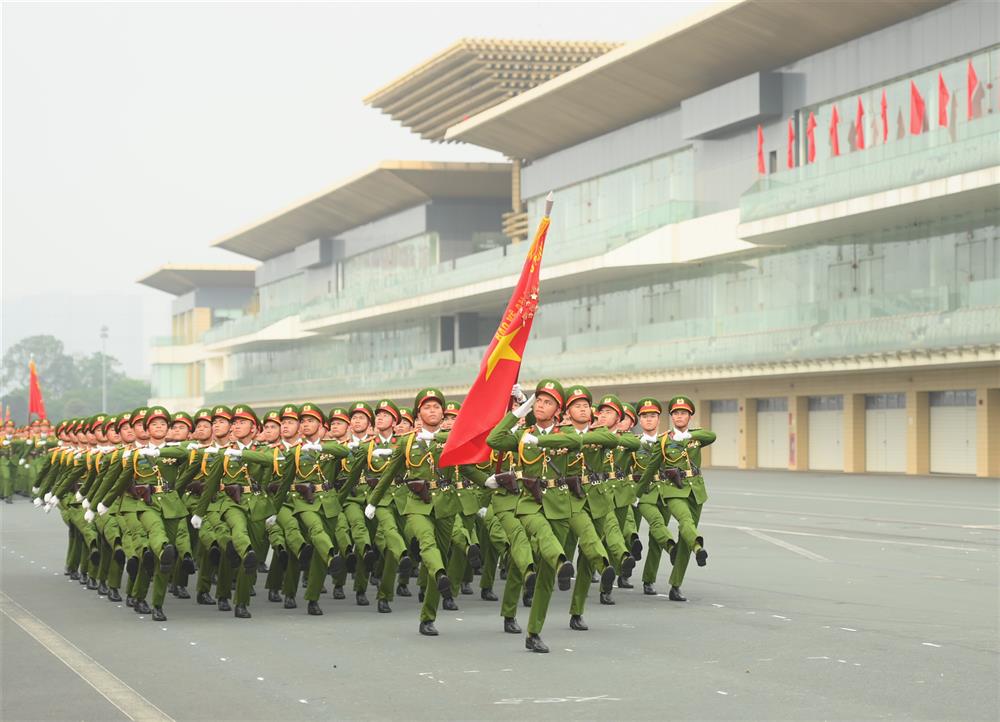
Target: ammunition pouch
{"x": 507, "y": 480}
{"x": 420, "y": 488}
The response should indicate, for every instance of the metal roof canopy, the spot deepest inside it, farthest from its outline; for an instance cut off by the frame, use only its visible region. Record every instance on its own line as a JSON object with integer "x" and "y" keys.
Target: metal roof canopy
{"x": 474, "y": 74}
{"x": 725, "y": 42}
{"x": 389, "y": 187}
{"x": 180, "y": 279}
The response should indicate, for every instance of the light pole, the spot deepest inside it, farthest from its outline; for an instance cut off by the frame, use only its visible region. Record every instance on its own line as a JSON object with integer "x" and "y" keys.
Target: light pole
{"x": 104, "y": 369}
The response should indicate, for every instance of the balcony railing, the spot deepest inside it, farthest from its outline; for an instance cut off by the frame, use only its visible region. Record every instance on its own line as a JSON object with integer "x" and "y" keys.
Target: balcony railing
{"x": 938, "y": 153}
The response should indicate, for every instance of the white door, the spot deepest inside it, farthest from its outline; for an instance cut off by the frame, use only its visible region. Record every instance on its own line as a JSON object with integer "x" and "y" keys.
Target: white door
{"x": 826, "y": 438}
{"x": 953, "y": 439}
{"x": 725, "y": 450}
{"x": 772, "y": 439}
{"x": 885, "y": 440}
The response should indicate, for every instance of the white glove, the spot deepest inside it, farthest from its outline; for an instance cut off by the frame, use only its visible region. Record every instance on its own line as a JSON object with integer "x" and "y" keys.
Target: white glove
{"x": 196, "y": 521}
{"x": 54, "y": 501}
{"x": 78, "y": 496}
{"x": 352, "y": 444}
{"x": 635, "y": 503}
{"x": 48, "y": 508}
{"x": 6, "y": 442}
{"x": 85, "y": 503}
{"x": 89, "y": 515}
{"x": 369, "y": 511}
{"x": 234, "y": 452}
{"x": 22, "y": 462}
{"x": 48, "y": 495}
{"x": 425, "y": 435}
{"x": 271, "y": 521}
{"x": 518, "y": 394}
{"x": 35, "y": 490}
{"x": 149, "y": 451}
{"x": 491, "y": 482}
{"x": 382, "y": 452}
{"x": 682, "y": 435}
{"x": 522, "y": 410}
{"x": 213, "y": 449}
{"x": 529, "y": 438}
{"x": 313, "y": 446}
{"x": 101, "y": 509}
{"x": 128, "y": 453}
{"x": 36, "y": 501}
{"x": 482, "y": 512}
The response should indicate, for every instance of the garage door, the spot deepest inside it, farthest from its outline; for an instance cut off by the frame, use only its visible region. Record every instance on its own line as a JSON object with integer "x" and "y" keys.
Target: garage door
{"x": 725, "y": 422}
{"x": 885, "y": 433}
{"x": 953, "y": 432}
{"x": 772, "y": 433}
{"x": 826, "y": 433}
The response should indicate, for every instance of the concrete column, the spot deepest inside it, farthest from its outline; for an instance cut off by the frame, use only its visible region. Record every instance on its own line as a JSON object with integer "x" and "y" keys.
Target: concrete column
{"x": 854, "y": 433}
{"x": 987, "y": 432}
{"x": 704, "y": 420}
{"x": 747, "y": 409}
{"x": 798, "y": 433}
{"x": 918, "y": 433}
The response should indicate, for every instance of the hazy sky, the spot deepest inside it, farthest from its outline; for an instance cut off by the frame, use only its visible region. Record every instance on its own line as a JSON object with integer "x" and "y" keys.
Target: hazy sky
{"x": 137, "y": 134}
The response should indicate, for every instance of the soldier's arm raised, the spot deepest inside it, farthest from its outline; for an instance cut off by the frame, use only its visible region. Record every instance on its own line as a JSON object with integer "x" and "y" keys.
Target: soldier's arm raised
{"x": 503, "y": 438}
{"x": 389, "y": 473}
{"x": 704, "y": 436}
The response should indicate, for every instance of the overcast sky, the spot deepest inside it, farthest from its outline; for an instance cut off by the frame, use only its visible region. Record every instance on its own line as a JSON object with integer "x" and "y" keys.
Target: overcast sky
{"x": 137, "y": 134}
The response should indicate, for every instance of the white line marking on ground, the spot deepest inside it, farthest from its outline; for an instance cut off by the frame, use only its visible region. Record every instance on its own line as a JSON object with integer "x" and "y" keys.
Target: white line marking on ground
{"x": 719, "y": 691}
{"x": 817, "y": 658}
{"x": 848, "y": 629}
{"x": 931, "y": 644}
{"x": 131, "y": 704}
{"x": 867, "y": 540}
{"x": 785, "y": 545}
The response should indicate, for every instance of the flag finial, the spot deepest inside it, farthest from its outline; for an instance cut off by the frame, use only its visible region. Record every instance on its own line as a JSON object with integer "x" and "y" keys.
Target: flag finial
{"x": 549, "y": 200}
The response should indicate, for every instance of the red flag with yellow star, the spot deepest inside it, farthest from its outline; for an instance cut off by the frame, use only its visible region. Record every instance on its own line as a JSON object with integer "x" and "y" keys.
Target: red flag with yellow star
{"x": 489, "y": 397}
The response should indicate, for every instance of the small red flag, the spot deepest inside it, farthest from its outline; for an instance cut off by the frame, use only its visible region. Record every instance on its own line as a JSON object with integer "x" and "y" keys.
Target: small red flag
{"x": 859, "y": 126}
{"x": 791, "y": 143}
{"x": 834, "y": 137}
{"x": 943, "y": 97}
{"x": 916, "y": 110}
{"x": 811, "y": 138}
{"x": 761, "y": 168}
{"x": 489, "y": 396}
{"x": 973, "y": 83}
{"x": 36, "y": 404}
{"x": 885, "y": 118}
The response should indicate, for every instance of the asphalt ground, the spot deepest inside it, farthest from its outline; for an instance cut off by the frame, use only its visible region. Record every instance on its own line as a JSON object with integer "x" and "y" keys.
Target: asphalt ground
{"x": 826, "y": 597}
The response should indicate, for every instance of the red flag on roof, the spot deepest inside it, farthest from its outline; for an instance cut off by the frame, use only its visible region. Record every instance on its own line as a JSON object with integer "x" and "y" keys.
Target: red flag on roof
{"x": 791, "y": 143}
{"x": 36, "y": 404}
{"x": 859, "y": 126}
{"x": 917, "y": 109}
{"x": 811, "y": 138}
{"x": 885, "y": 118}
{"x": 943, "y": 97}
{"x": 761, "y": 168}
{"x": 834, "y": 136}
{"x": 973, "y": 83}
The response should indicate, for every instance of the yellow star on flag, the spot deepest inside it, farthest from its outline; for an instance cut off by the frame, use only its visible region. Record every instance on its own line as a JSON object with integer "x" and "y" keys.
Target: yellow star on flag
{"x": 502, "y": 351}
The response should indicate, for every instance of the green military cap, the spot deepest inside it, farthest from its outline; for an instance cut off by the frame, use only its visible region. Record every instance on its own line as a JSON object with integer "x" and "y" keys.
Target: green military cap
{"x": 183, "y": 417}
{"x": 452, "y": 408}
{"x": 124, "y": 419}
{"x": 649, "y": 406}
{"x": 203, "y": 414}
{"x": 274, "y": 415}
{"x": 428, "y": 394}
{"x": 576, "y": 392}
{"x": 243, "y": 411}
{"x": 110, "y": 422}
{"x": 551, "y": 387}
{"x": 680, "y": 402}
{"x": 139, "y": 416}
{"x": 612, "y": 401}
{"x": 362, "y": 407}
{"x": 290, "y": 411}
{"x": 629, "y": 410}
{"x": 339, "y": 413}
{"x": 389, "y": 407}
{"x": 97, "y": 422}
{"x": 223, "y": 412}
{"x": 406, "y": 414}
{"x": 157, "y": 412}
{"x": 310, "y": 409}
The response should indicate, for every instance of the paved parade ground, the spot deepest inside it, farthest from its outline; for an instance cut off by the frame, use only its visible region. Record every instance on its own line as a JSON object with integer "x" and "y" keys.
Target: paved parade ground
{"x": 825, "y": 597}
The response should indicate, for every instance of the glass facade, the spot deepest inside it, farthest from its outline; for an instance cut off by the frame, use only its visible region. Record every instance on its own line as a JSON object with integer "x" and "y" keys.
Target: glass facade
{"x": 413, "y": 255}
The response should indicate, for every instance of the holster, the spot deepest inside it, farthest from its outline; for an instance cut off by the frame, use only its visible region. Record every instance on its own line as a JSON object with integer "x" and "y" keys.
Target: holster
{"x": 372, "y": 481}
{"x": 306, "y": 492}
{"x": 508, "y": 480}
{"x": 575, "y": 485}
{"x": 141, "y": 492}
{"x": 196, "y": 487}
{"x": 235, "y": 492}
{"x": 674, "y": 476}
{"x": 534, "y": 487}
{"x": 420, "y": 488}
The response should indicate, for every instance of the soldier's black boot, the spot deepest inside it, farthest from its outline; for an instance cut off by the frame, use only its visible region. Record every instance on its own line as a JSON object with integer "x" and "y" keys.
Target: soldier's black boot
{"x": 338, "y": 593}
{"x": 675, "y": 595}
{"x": 158, "y": 615}
{"x": 214, "y": 555}
{"x": 167, "y": 558}
{"x": 148, "y": 560}
{"x": 701, "y": 556}
{"x": 576, "y": 622}
{"x": 241, "y": 612}
{"x": 182, "y": 593}
{"x": 74, "y": 575}
{"x": 290, "y": 603}
{"x": 370, "y": 557}
{"x": 313, "y": 609}
{"x": 405, "y": 567}
{"x": 351, "y": 562}
{"x": 564, "y": 575}
{"x": 205, "y": 598}
{"x": 383, "y": 607}
{"x": 141, "y": 607}
{"x": 672, "y": 552}
{"x": 402, "y": 590}
{"x": 608, "y": 579}
{"x": 337, "y": 566}
{"x": 624, "y": 583}
{"x": 250, "y": 561}
{"x": 636, "y": 548}
{"x": 273, "y": 595}
{"x": 92, "y": 584}
{"x": 224, "y": 606}
{"x": 487, "y": 595}
{"x": 132, "y": 566}
{"x": 448, "y": 604}
{"x": 83, "y": 579}
{"x": 130, "y": 601}
{"x": 465, "y": 588}
{"x": 606, "y": 598}
{"x": 628, "y": 564}
{"x": 444, "y": 585}
{"x": 534, "y": 643}
{"x": 428, "y": 630}
{"x": 114, "y": 595}
{"x": 526, "y": 600}
{"x": 360, "y": 599}
{"x": 510, "y": 625}
{"x": 648, "y": 589}
{"x": 188, "y": 565}
{"x": 172, "y": 590}
{"x": 305, "y": 556}
{"x": 474, "y": 556}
